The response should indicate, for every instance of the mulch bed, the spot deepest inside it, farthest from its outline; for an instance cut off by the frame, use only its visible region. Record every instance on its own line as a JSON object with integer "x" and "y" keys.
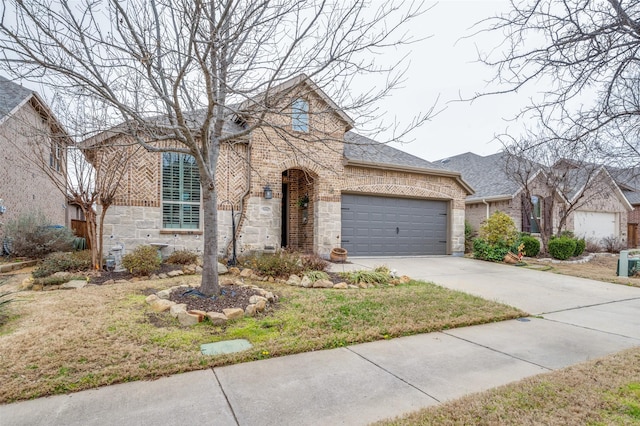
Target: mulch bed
{"x": 105, "y": 276}
{"x": 232, "y": 296}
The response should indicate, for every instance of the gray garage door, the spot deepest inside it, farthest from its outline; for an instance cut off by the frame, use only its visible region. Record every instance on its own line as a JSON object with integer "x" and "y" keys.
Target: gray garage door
{"x": 385, "y": 226}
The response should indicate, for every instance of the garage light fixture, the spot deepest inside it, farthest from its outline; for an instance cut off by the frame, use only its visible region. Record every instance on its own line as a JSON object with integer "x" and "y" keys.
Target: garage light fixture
{"x": 268, "y": 193}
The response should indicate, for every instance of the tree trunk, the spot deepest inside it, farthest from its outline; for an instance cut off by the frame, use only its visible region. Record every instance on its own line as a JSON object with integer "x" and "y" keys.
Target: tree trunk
{"x": 209, "y": 285}
{"x": 103, "y": 213}
{"x": 90, "y": 217}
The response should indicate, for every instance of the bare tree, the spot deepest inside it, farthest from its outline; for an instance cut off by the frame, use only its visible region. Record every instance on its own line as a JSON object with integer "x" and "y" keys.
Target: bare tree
{"x": 172, "y": 72}
{"x": 584, "y": 54}
{"x": 556, "y": 178}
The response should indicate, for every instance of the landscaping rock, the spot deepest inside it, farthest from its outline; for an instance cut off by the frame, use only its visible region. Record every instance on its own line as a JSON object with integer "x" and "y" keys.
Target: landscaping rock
{"x": 270, "y": 297}
{"x": 217, "y": 318}
{"x": 323, "y": 284}
{"x": 306, "y": 282}
{"x": 175, "y": 273}
{"x": 341, "y": 286}
{"x": 233, "y": 313}
{"x": 163, "y": 276}
{"x": 261, "y": 305}
{"x": 246, "y": 273}
{"x": 198, "y": 312}
{"x": 176, "y": 309}
{"x": 161, "y": 305}
{"x": 352, "y": 286}
{"x": 294, "y": 280}
{"x": 227, "y": 281}
{"x": 26, "y": 284}
{"x": 189, "y": 269}
{"x": 63, "y": 275}
{"x": 151, "y": 298}
{"x": 362, "y": 285}
{"x": 250, "y": 310}
{"x": 108, "y": 282}
{"x": 254, "y": 299}
{"x": 152, "y": 277}
{"x": 198, "y": 269}
{"x": 234, "y": 271}
{"x": 36, "y": 287}
{"x": 222, "y": 269}
{"x": 74, "y": 284}
{"x": 121, "y": 282}
{"x": 188, "y": 319}
{"x": 164, "y": 294}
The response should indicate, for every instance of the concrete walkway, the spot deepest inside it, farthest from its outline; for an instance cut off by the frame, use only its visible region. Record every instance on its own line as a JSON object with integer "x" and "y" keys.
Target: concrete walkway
{"x": 575, "y": 320}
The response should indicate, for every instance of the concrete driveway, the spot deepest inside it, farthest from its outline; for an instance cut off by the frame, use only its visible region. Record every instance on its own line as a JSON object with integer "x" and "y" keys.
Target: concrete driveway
{"x": 576, "y": 320}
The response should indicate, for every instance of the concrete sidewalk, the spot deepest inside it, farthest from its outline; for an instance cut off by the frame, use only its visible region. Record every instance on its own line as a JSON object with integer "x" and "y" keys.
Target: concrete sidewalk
{"x": 581, "y": 320}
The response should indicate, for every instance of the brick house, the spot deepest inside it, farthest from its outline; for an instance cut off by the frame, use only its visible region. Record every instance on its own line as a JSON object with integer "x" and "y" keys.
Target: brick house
{"x": 603, "y": 213}
{"x": 306, "y": 182}
{"x": 29, "y": 130}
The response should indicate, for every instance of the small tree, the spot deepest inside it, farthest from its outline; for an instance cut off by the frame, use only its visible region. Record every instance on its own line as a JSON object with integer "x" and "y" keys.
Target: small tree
{"x": 499, "y": 228}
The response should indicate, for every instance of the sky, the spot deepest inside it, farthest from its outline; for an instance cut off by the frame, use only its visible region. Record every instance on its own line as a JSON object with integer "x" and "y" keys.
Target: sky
{"x": 445, "y": 66}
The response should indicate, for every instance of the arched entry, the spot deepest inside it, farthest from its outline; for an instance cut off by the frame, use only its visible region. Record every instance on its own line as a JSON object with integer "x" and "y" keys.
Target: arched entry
{"x": 298, "y": 193}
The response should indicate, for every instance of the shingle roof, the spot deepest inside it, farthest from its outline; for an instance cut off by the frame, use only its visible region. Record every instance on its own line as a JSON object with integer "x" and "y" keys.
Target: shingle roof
{"x": 629, "y": 181}
{"x": 11, "y": 95}
{"x": 361, "y": 148}
{"x": 485, "y": 174}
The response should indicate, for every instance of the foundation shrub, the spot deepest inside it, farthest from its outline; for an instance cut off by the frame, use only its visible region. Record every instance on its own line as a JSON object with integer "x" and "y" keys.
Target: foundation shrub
{"x": 32, "y": 235}
{"x": 313, "y": 262}
{"x": 368, "y": 277}
{"x": 316, "y": 276}
{"x": 280, "y": 264}
{"x": 63, "y": 262}
{"x": 492, "y": 252}
{"x": 531, "y": 245}
{"x": 562, "y": 248}
{"x": 182, "y": 257}
{"x": 581, "y": 245}
{"x": 499, "y": 229}
{"x": 143, "y": 260}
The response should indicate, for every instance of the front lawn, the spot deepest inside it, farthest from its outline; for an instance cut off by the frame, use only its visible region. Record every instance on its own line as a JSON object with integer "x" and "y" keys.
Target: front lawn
{"x": 62, "y": 341}
{"x": 599, "y": 392}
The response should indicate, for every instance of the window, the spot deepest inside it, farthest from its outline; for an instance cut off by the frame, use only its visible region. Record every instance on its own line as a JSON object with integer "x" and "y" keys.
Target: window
{"x": 300, "y": 115}
{"x": 180, "y": 191}
{"x": 535, "y": 214}
{"x": 55, "y": 157}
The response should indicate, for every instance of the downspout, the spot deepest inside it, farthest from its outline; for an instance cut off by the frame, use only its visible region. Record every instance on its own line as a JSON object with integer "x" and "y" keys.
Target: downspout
{"x": 486, "y": 204}
{"x": 243, "y": 197}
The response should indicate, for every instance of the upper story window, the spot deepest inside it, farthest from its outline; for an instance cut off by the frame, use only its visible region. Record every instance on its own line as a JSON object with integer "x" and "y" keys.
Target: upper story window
{"x": 300, "y": 115}
{"x": 180, "y": 191}
{"x": 56, "y": 156}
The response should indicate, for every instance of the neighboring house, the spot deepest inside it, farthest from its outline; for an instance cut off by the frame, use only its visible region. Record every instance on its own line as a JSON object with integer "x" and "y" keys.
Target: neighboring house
{"x": 29, "y": 134}
{"x": 346, "y": 191}
{"x": 601, "y": 211}
{"x": 629, "y": 182}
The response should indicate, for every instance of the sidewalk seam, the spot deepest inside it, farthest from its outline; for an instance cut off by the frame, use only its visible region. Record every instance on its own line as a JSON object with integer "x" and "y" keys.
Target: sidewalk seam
{"x": 225, "y": 397}
{"x": 591, "y": 329}
{"x": 495, "y": 350}
{"x": 394, "y": 375}
{"x": 589, "y": 306}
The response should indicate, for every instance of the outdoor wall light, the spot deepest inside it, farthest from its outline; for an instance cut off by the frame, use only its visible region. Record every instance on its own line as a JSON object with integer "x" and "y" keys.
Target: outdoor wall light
{"x": 268, "y": 193}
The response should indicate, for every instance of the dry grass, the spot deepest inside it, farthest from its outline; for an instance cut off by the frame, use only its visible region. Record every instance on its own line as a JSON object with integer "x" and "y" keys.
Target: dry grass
{"x": 62, "y": 341}
{"x": 601, "y": 268}
{"x": 601, "y": 392}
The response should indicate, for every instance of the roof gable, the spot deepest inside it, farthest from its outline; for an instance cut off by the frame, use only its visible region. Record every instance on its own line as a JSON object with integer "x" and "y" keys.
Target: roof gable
{"x": 12, "y": 96}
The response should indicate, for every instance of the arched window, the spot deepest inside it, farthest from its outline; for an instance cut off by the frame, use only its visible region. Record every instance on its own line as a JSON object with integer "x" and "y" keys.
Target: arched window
{"x": 300, "y": 115}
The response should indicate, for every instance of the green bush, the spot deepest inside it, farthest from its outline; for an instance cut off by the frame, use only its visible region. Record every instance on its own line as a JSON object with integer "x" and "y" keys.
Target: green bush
{"x": 182, "y": 257}
{"x": 562, "y": 248}
{"x": 32, "y": 235}
{"x": 468, "y": 237}
{"x": 64, "y": 262}
{"x": 499, "y": 228}
{"x": 491, "y": 252}
{"x": 531, "y": 245}
{"x": 280, "y": 264}
{"x": 143, "y": 260}
{"x": 581, "y": 244}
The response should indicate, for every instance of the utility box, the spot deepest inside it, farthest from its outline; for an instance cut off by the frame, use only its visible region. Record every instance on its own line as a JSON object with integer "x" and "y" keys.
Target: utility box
{"x": 633, "y": 266}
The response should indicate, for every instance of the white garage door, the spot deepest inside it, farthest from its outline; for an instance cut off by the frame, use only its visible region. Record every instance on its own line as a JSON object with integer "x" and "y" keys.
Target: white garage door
{"x": 595, "y": 225}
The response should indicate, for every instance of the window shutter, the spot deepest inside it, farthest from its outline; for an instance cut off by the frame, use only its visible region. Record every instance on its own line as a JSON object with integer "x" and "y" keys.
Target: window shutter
{"x": 526, "y": 213}
{"x": 547, "y": 215}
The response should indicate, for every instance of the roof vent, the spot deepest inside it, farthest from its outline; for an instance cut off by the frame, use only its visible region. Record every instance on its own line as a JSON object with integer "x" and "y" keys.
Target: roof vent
{"x": 445, "y": 161}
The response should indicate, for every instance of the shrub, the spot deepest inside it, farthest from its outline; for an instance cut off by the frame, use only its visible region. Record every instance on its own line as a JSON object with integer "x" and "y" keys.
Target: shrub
{"x": 313, "y": 262}
{"x": 143, "y": 260}
{"x": 32, "y": 235}
{"x": 281, "y": 264}
{"x": 531, "y": 245}
{"x": 182, "y": 257}
{"x": 562, "y": 248}
{"x": 368, "y": 277}
{"x": 468, "y": 237}
{"x": 612, "y": 244}
{"x": 4, "y": 301}
{"x": 64, "y": 262}
{"x": 499, "y": 228}
{"x": 581, "y": 244}
{"x": 491, "y": 252}
{"x": 316, "y": 276}
{"x": 593, "y": 246}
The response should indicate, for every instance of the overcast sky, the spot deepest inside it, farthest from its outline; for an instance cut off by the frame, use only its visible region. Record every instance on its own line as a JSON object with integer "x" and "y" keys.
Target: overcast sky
{"x": 446, "y": 66}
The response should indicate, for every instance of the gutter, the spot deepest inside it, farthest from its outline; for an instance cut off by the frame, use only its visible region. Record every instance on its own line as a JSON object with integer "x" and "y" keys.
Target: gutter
{"x": 421, "y": 170}
{"x": 484, "y": 201}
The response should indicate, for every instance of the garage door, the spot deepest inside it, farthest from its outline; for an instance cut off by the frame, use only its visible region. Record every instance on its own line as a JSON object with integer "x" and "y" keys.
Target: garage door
{"x": 385, "y": 226}
{"x": 595, "y": 225}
